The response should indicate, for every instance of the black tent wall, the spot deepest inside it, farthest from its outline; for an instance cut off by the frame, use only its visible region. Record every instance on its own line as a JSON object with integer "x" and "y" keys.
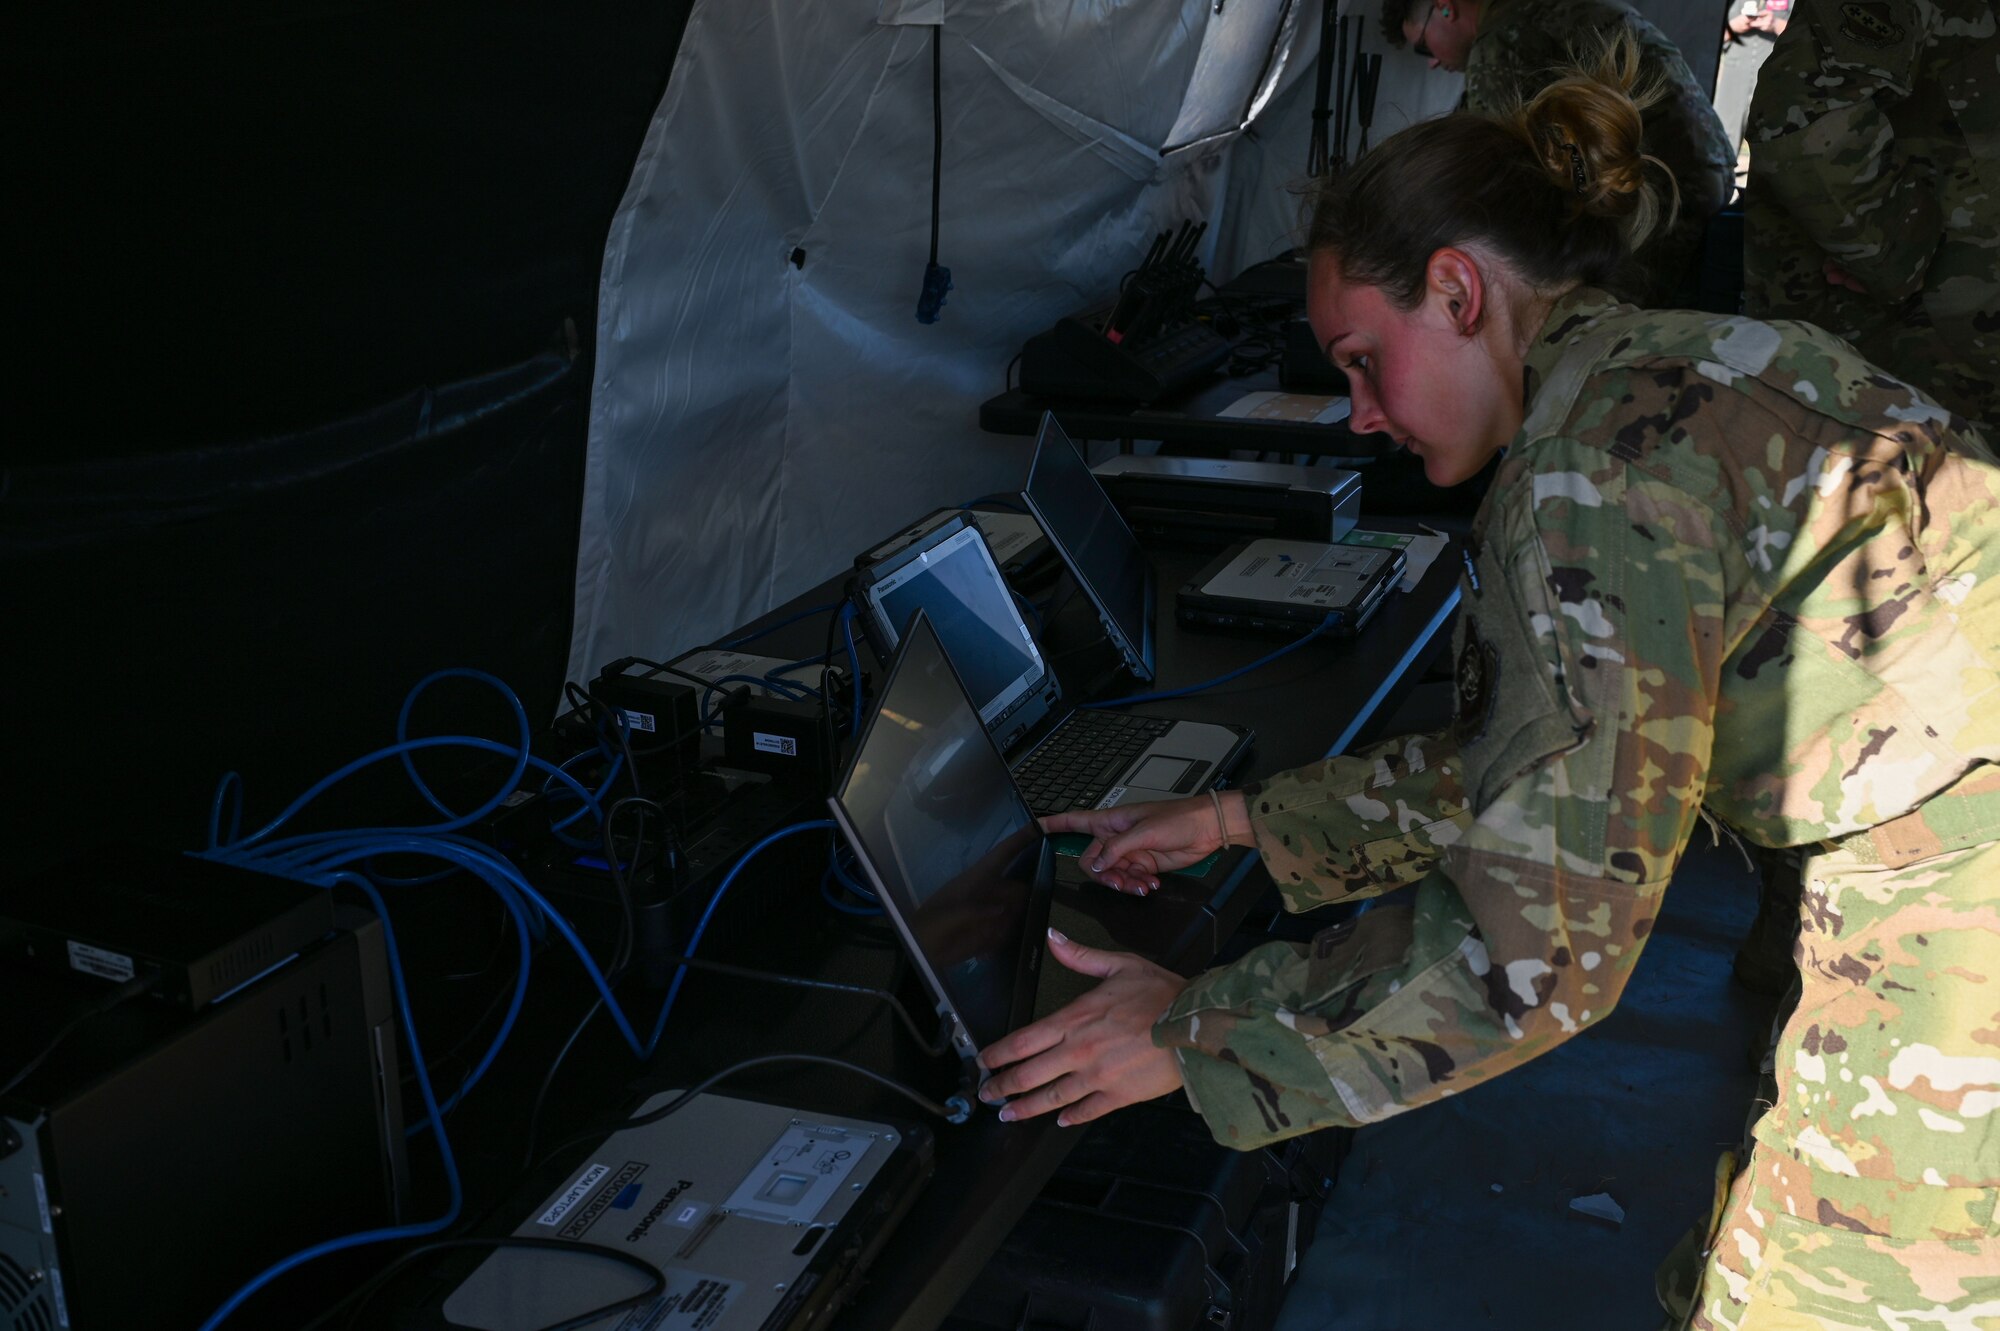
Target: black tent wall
{"x": 304, "y": 356}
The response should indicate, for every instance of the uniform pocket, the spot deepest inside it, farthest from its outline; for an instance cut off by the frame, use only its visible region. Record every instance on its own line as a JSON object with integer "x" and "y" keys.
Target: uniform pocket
{"x": 1843, "y": 1279}
{"x": 1514, "y": 709}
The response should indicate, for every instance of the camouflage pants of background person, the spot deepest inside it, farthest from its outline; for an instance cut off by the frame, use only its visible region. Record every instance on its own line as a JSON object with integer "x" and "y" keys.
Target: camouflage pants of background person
{"x": 1869, "y": 1197}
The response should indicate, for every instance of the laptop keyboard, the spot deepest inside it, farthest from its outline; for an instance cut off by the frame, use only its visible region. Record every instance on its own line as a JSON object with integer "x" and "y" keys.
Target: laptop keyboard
{"x": 1075, "y": 765}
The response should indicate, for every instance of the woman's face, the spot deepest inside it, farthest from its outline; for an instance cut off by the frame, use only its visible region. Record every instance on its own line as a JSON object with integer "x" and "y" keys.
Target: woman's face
{"x": 1428, "y": 377}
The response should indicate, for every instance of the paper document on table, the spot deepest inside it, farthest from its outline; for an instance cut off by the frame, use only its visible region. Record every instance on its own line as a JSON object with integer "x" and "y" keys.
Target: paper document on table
{"x": 1294, "y": 408}
{"x": 1418, "y": 550}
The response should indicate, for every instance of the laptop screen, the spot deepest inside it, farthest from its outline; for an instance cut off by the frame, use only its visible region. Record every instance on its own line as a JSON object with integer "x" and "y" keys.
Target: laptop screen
{"x": 939, "y": 826}
{"x": 959, "y": 586}
{"x": 1102, "y": 553}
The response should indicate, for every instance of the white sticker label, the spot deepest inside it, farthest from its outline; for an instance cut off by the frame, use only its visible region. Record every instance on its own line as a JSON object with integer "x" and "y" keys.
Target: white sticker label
{"x": 781, "y": 744}
{"x": 1111, "y": 797}
{"x": 62, "y": 1304}
{"x": 517, "y": 799}
{"x": 640, "y": 721}
{"x": 577, "y": 1192}
{"x": 42, "y": 1200}
{"x": 694, "y": 1302}
{"x": 96, "y": 961}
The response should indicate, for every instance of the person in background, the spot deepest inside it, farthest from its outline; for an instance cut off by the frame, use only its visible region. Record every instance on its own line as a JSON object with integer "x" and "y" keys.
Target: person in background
{"x": 1874, "y": 200}
{"x": 1724, "y": 567}
{"x": 1752, "y": 26}
{"x": 1509, "y": 50}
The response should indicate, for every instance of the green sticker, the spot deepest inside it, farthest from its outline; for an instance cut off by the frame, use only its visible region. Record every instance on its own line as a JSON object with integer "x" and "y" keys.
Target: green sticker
{"x": 1386, "y": 540}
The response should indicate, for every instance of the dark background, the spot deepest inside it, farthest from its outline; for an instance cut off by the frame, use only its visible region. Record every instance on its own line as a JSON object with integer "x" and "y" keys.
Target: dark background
{"x": 304, "y": 307}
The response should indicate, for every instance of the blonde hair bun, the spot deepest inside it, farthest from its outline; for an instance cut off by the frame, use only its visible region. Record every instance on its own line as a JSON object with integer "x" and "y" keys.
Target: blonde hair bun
{"x": 1588, "y": 131}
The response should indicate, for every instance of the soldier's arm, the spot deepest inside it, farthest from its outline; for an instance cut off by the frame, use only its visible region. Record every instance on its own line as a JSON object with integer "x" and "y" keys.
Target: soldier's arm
{"x": 1493, "y": 77}
{"x": 1684, "y": 132}
{"x": 1602, "y": 598}
{"x": 1361, "y": 824}
{"x": 1823, "y": 150}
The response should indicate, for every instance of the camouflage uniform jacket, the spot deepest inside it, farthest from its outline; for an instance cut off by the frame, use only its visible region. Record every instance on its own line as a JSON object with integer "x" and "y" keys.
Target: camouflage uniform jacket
{"x": 1723, "y": 563}
{"x": 1875, "y": 141}
{"x": 1524, "y": 45}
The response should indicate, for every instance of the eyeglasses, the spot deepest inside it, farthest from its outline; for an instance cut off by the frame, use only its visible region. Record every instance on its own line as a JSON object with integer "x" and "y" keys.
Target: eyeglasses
{"x": 1419, "y": 47}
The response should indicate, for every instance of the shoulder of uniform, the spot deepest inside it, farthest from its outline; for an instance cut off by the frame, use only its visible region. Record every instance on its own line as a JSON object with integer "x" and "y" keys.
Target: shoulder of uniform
{"x": 1660, "y": 368}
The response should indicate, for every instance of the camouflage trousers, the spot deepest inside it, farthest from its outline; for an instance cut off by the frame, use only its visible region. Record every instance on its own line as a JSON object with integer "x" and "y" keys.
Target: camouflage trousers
{"x": 1868, "y": 1199}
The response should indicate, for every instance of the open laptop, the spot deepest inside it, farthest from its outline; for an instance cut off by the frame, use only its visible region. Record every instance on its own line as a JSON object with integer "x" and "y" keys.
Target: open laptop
{"x": 1062, "y": 757}
{"x": 962, "y": 868}
{"x": 1100, "y": 551}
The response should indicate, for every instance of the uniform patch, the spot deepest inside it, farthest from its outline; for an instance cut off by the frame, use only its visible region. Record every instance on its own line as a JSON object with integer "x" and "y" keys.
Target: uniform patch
{"x": 1478, "y": 673}
{"x": 1870, "y": 22}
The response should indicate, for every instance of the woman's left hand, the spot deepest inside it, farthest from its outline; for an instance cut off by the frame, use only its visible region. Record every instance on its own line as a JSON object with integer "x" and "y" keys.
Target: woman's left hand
{"x": 1097, "y": 1053}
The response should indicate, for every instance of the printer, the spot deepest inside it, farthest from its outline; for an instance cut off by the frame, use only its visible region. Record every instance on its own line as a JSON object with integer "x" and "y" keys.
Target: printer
{"x": 1216, "y": 501}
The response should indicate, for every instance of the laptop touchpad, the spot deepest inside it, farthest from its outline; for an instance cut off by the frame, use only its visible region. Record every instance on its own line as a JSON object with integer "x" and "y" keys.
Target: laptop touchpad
{"x": 1161, "y": 772}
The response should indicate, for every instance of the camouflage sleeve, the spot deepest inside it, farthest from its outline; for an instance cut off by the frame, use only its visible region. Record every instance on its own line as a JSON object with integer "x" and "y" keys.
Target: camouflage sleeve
{"x": 1822, "y": 148}
{"x": 1357, "y": 825}
{"x": 1590, "y": 653}
{"x": 1495, "y": 77}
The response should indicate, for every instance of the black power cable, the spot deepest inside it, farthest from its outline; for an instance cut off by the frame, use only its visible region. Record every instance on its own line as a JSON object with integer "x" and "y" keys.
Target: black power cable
{"x": 956, "y": 1109}
{"x": 103, "y": 1003}
{"x": 373, "y": 1286}
{"x": 937, "y": 279}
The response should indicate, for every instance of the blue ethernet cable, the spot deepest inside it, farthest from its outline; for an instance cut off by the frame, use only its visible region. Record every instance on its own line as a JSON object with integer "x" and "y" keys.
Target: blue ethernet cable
{"x": 835, "y": 870}
{"x": 1258, "y": 664}
{"x": 336, "y": 856}
{"x": 524, "y": 761}
{"x": 701, "y": 927}
{"x": 461, "y": 672}
{"x": 783, "y": 688}
{"x": 397, "y": 750}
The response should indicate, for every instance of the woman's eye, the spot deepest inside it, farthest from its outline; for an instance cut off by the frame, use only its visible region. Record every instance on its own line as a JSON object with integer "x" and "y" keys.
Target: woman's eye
{"x": 1357, "y": 363}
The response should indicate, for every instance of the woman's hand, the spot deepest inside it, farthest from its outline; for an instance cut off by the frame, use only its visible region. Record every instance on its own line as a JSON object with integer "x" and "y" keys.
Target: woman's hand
{"x": 1132, "y": 846}
{"x": 1095, "y": 1054}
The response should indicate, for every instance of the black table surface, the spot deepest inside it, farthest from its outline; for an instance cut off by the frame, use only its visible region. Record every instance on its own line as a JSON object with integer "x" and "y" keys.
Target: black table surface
{"x": 1323, "y": 697}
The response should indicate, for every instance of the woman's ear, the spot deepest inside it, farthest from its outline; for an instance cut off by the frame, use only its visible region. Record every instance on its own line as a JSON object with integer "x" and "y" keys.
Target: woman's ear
{"x": 1456, "y": 287}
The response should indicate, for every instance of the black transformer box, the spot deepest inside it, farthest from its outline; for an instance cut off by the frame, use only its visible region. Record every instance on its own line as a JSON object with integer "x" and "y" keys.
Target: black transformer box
{"x": 1219, "y": 501}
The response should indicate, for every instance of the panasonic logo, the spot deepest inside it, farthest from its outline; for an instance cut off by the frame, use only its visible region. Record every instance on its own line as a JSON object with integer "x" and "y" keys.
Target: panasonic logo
{"x": 659, "y": 1209}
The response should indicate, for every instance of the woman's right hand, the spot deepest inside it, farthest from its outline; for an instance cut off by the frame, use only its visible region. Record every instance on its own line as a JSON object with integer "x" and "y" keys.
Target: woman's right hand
{"x": 1132, "y": 846}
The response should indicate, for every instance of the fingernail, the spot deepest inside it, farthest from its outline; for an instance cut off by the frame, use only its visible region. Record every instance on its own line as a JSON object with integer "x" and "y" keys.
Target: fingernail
{"x": 1097, "y": 866}
{"x": 1153, "y": 884}
{"x": 1057, "y": 936}
{"x": 1006, "y": 1116}
{"x": 991, "y": 1097}
{"x": 1061, "y": 1122}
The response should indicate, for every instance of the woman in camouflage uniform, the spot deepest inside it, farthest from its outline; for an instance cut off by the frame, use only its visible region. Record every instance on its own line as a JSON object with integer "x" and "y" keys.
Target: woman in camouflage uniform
{"x": 1723, "y": 563}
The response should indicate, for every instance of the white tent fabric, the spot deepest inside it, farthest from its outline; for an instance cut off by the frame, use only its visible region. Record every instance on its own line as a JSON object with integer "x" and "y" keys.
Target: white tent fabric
{"x": 766, "y": 403}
